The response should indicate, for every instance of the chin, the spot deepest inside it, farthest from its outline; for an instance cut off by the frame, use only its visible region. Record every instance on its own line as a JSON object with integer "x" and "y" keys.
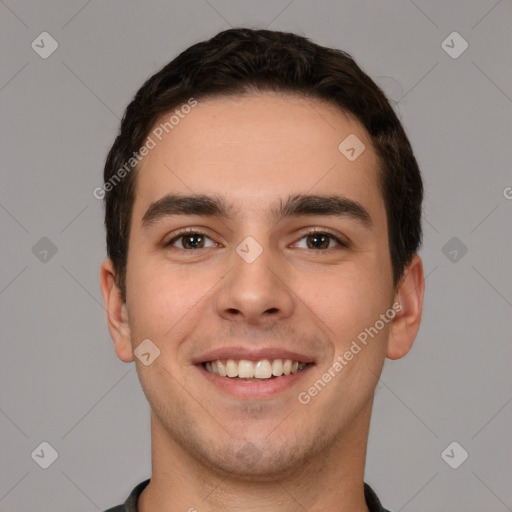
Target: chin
{"x": 248, "y": 461}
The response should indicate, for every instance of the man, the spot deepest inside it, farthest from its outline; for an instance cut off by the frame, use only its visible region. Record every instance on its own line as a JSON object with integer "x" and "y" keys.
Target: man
{"x": 263, "y": 211}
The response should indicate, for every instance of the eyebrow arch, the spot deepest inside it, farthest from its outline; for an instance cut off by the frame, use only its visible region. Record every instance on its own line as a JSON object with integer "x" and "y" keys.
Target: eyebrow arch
{"x": 293, "y": 206}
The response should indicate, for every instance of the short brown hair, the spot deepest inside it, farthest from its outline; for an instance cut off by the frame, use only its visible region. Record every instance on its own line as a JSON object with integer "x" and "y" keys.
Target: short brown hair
{"x": 242, "y": 60}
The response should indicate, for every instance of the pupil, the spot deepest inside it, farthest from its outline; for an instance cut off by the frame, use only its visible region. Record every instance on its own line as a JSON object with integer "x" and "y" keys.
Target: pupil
{"x": 195, "y": 243}
{"x": 323, "y": 239}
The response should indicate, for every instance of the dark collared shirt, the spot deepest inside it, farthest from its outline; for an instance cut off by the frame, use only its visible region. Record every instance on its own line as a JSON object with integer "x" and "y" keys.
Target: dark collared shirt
{"x": 130, "y": 505}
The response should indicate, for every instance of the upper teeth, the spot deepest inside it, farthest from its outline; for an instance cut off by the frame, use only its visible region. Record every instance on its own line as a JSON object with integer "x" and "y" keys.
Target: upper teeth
{"x": 245, "y": 369}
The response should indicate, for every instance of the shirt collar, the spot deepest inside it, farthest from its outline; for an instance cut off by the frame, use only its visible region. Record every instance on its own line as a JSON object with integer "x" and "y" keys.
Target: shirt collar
{"x": 372, "y": 501}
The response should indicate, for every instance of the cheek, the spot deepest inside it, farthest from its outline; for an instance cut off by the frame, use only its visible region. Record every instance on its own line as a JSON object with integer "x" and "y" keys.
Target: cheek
{"x": 347, "y": 302}
{"x": 154, "y": 299}
{"x": 165, "y": 302}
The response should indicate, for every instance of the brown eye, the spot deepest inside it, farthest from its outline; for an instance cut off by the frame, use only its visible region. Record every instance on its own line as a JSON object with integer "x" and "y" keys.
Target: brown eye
{"x": 321, "y": 241}
{"x": 190, "y": 241}
{"x": 318, "y": 241}
{"x": 195, "y": 241}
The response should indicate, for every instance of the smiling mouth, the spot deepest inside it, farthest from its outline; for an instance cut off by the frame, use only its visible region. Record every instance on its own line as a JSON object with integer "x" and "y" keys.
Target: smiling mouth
{"x": 263, "y": 369}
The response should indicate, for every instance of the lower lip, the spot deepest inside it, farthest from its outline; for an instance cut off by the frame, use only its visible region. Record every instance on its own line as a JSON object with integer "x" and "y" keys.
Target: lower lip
{"x": 253, "y": 389}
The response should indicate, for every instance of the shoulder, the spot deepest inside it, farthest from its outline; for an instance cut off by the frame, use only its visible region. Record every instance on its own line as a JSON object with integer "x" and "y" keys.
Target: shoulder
{"x": 372, "y": 501}
{"x": 130, "y": 505}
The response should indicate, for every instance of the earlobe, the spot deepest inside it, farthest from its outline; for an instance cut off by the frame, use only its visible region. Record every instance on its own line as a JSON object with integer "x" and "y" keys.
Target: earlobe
{"x": 117, "y": 313}
{"x": 406, "y": 322}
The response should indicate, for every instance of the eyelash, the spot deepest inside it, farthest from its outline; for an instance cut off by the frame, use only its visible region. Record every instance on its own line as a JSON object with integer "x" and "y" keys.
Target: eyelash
{"x": 192, "y": 231}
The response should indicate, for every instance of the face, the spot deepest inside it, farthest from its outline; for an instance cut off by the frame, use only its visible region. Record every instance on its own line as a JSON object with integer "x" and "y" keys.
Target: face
{"x": 285, "y": 257}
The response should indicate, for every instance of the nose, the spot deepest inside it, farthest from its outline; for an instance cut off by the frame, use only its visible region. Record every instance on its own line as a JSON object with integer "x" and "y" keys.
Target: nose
{"x": 256, "y": 291}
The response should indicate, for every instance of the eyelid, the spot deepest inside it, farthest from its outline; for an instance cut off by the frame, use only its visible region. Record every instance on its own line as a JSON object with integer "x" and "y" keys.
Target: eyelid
{"x": 182, "y": 232}
{"x": 340, "y": 239}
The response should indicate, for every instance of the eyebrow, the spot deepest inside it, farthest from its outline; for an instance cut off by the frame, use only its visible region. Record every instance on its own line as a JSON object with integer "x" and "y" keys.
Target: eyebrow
{"x": 294, "y": 206}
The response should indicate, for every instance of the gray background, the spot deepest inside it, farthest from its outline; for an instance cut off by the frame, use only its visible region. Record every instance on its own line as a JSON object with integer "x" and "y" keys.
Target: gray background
{"x": 60, "y": 379}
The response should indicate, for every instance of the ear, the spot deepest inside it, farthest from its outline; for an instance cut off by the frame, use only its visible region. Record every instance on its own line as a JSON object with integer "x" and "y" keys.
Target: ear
{"x": 117, "y": 314}
{"x": 409, "y": 296}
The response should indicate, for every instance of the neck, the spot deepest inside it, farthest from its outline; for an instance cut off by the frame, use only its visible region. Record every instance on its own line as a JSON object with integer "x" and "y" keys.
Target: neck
{"x": 329, "y": 480}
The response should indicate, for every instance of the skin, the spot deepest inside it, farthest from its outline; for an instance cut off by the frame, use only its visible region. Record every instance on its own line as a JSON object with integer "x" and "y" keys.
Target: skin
{"x": 255, "y": 150}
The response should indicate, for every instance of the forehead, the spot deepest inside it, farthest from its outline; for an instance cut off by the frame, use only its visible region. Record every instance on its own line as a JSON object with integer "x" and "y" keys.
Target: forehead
{"x": 256, "y": 147}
